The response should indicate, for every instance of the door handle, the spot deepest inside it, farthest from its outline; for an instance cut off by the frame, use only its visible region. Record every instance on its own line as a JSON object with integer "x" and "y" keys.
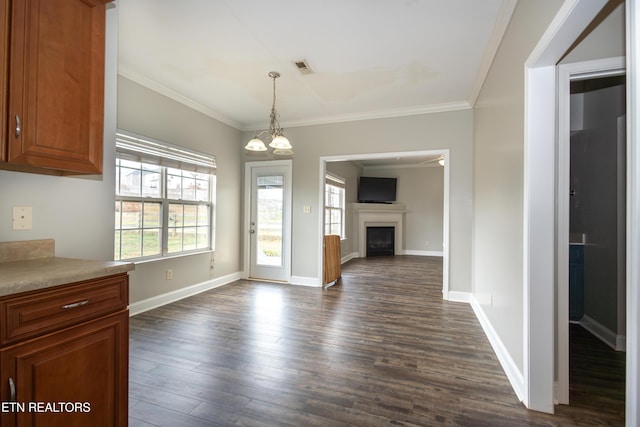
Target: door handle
{"x": 252, "y": 231}
{"x": 18, "y": 126}
{"x": 75, "y": 304}
{"x": 12, "y": 390}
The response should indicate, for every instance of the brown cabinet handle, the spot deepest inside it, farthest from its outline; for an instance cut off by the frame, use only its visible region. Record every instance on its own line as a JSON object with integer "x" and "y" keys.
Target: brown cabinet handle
{"x": 18, "y": 126}
{"x": 12, "y": 390}
{"x": 75, "y": 304}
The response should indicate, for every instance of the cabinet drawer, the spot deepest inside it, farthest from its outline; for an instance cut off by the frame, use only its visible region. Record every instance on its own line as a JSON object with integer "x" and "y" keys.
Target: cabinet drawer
{"x": 35, "y": 313}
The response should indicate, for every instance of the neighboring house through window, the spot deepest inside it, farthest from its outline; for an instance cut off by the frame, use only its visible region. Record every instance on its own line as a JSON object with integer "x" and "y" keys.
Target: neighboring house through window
{"x": 334, "y": 214}
{"x": 164, "y": 199}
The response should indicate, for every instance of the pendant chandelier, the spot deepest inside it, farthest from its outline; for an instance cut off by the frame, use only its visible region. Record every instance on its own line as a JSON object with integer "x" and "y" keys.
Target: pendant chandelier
{"x": 279, "y": 142}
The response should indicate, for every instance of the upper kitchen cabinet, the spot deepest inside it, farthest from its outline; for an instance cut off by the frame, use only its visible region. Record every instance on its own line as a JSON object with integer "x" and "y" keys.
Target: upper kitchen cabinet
{"x": 55, "y": 64}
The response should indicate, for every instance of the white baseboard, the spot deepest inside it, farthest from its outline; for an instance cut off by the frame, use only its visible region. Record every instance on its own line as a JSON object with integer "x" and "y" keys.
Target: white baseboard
{"x": 516, "y": 378}
{"x": 604, "y": 334}
{"x": 305, "y": 281}
{"x": 349, "y": 257}
{"x": 456, "y": 296}
{"x": 423, "y": 253}
{"x": 169, "y": 297}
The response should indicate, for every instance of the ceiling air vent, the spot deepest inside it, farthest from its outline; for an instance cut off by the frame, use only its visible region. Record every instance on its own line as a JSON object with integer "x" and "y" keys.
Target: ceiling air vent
{"x": 303, "y": 66}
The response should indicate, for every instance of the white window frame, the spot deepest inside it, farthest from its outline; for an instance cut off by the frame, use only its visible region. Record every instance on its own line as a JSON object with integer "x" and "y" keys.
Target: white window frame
{"x": 338, "y": 183}
{"x": 166, "y": 158}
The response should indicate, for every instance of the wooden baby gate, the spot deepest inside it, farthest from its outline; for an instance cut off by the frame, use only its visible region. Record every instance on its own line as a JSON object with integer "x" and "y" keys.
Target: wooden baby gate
{"x": 331, "y": 259}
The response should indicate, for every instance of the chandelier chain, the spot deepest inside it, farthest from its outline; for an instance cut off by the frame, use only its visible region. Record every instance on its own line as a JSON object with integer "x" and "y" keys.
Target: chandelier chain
{"x": 280, "y": 144}
{"x": 274, "y": 126}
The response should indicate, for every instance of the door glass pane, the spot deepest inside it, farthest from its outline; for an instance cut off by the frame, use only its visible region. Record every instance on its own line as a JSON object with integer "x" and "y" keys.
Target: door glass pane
{"x": 270, "y": 203}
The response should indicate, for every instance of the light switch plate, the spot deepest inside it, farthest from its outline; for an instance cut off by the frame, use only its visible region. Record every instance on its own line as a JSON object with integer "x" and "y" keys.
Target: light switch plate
{"x": 22, "y": 218}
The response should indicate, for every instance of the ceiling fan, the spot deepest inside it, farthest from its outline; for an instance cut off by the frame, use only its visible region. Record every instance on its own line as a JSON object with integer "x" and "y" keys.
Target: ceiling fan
{"x": 439, "y": 159}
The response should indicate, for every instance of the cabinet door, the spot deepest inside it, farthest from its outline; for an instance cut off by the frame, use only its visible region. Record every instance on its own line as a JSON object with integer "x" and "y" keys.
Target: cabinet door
{"x": 576, "y": 282}
{"x": 56, "y": 84}
{"x": 74, "y": 377}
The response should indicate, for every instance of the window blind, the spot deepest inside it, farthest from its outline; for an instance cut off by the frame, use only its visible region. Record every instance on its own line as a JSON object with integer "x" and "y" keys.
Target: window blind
{"x": 138, "y": 148}
{"x": 335, "y": 181}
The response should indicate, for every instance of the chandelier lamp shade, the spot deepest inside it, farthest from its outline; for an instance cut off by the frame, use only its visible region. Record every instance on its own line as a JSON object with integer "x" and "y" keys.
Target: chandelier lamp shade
{"x": 279, "y": 143}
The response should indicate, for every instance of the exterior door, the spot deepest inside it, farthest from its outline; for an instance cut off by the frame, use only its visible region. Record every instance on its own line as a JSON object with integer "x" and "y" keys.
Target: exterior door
{"x": 269, "y": 227}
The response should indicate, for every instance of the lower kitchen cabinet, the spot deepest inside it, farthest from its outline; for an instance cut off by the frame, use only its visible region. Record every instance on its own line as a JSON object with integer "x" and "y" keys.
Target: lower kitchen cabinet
{"x": 76, "y": 375}
{"x": 576, "y": 282}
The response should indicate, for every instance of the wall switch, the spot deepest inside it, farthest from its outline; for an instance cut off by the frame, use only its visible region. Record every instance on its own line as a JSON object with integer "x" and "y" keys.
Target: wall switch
{"x": 169, "y": 274}
{"x": 306, "y": 209}
{"x": 22, "y": 217}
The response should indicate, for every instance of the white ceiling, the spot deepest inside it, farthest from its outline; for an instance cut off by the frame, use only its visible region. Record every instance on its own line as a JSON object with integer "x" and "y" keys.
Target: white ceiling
{"x": 371, "y": 58}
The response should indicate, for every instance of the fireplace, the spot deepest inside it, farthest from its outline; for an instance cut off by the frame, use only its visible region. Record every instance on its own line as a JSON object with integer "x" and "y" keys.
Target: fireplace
{"x": 367, "y": 215}
{"x": 381, "y": 241}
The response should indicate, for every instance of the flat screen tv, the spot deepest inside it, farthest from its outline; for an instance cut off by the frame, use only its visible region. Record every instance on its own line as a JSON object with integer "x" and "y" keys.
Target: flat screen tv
{"x": 376, "y": 190}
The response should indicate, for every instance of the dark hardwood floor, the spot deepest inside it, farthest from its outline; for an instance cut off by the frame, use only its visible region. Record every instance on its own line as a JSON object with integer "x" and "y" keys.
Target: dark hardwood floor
{"x": 596, "y": 377}
{"x": 381, "y": 347}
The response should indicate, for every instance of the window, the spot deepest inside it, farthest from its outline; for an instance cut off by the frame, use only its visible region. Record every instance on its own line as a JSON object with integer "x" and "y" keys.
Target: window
{"x": 334, "y": 205}
{"x": 164, "y": 199}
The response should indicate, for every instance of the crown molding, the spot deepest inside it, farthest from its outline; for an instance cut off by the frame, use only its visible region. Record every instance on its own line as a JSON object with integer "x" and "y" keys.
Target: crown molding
{"x": 499, "y": 30}
{"x": 381, "y": 114}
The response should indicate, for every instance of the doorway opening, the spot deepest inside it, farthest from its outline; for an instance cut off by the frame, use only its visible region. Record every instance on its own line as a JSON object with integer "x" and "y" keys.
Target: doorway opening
{"x": 591, "y": 221}
{"x": 414, "y": 157}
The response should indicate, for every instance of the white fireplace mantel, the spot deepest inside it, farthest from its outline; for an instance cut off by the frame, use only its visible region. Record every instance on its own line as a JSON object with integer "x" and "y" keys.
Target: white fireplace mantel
{"x": 378, "y": 215}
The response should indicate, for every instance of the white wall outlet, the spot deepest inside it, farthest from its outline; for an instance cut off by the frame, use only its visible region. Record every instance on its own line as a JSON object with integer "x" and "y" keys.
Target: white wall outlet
{"x": 22, "y": 218}
{"x": 306, "y": 209}
{"x": 169, "y": 274}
